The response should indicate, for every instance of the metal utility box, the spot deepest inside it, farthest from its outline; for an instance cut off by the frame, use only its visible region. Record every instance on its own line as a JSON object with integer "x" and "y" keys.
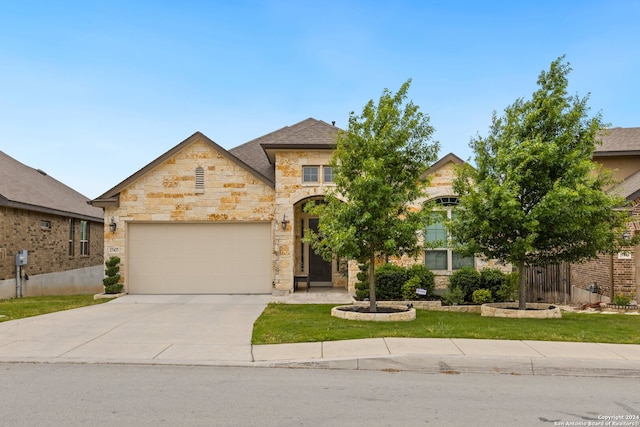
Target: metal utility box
{"x": 21, "y": 258}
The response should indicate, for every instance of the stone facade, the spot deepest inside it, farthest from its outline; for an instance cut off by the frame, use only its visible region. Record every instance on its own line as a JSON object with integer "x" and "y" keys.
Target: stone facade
{"x": 168, "y": 193}
{"x": 440, "y": 184}
{"x": 291, "y": 194}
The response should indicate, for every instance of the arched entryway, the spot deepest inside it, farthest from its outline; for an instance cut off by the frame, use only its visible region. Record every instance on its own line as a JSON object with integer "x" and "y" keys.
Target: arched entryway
{"x": 307, "y": 263}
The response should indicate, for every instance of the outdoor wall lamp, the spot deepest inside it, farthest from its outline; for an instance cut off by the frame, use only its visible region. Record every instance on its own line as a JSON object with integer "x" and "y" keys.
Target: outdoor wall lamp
{"x": 285, "y": 221}
{"x": 626, "y": 235}
{"x": 112, "y": 225}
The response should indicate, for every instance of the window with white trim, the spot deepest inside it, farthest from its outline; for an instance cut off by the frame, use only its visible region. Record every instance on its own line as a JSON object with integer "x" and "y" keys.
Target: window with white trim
{"x": 310, "y": 174}
{"x": 314, "y": 174}
{"x": 71, "y": 236}
{"x": 84, "y": 238}
{"x": 327, "y": 174}
{"x": 438, "y": 255}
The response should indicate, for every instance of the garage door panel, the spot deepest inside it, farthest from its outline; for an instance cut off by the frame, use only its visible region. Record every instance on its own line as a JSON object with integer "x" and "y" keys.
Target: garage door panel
{"x": 199, "y": 258}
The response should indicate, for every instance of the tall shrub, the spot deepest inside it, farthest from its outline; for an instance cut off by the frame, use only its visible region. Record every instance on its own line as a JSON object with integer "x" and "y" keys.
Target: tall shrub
{"x": 426, "y": 276}
{"x": 362, "y": 285}
{"x": 467, "y": 280}
{"x": 389, "y": 279}
{"x": 492, "y": 279}
{"x": 111, "y": 285}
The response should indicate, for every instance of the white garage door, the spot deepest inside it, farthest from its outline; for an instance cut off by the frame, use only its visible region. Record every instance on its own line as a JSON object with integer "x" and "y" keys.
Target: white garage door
{"x": 199, "y": 258}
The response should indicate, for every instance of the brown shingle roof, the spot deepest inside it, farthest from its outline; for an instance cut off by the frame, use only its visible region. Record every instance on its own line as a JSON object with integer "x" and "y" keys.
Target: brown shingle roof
{"x": 618, "y": 141}
{"x": 24, "y": 187}
{"x": 305, "y": 133}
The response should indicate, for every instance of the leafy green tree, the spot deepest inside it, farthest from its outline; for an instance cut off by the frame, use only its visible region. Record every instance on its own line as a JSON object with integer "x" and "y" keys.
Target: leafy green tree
{"x": 380, "y": 161}
{"x": 535, "y": 197}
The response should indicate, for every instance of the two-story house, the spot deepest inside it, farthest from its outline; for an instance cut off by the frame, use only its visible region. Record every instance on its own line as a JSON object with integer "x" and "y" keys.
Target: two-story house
{"x": 619, "y": 273}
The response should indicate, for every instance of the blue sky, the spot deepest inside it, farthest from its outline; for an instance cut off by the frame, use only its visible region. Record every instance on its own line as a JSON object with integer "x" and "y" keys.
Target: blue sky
{"x": 91, "y": 91}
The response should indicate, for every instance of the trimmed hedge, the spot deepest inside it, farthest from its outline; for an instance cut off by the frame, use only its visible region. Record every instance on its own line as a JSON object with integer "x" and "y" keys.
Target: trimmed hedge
{"x": 492, "y": 279}
{"x": 389, "y": 281}
{"x": 481, "y": 296}
{"x": 111, "y": 285}
{"x": 394, "y": 283}
{"x": 467, "y": 280}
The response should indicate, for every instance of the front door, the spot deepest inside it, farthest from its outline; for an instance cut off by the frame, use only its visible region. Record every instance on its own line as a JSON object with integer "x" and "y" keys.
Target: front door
{"x": 319, "y": 269}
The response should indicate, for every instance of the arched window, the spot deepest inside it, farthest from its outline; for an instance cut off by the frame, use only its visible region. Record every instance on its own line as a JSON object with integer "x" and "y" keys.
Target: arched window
{"x": 438, "y": 255}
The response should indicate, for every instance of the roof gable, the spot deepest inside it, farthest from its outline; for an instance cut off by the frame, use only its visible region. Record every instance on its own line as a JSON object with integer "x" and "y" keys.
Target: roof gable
{"x": 111, "y": 196}
{"x": 24, "y": 187}
{"x": 449, "y": 158}
{"x": 309, "y": 133}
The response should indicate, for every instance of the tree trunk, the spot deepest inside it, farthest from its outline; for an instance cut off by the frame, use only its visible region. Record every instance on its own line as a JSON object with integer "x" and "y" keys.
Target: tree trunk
{"x": 522, "y": 293}
{"x": 372, "y": 285}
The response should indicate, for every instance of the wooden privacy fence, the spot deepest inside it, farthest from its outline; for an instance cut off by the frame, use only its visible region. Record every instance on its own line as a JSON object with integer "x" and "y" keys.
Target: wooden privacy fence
{"x": 550, "y": 284}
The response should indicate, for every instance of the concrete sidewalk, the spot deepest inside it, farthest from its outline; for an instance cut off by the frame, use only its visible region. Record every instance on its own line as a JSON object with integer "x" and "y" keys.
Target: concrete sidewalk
{"x": 215, "y": 330}
{"x": 452, "y": 356}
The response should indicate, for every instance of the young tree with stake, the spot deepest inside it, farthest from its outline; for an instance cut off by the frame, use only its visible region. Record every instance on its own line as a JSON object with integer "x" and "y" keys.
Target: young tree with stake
{"x": 380, "y": 161}
{"x": 535, "y": 197}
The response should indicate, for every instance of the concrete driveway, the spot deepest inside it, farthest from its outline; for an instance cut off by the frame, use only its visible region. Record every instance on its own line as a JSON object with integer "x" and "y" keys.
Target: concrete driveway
{"x": 139, "y": 329}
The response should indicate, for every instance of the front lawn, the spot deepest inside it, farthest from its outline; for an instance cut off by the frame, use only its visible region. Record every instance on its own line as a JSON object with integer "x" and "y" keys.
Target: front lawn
{"x": 17, "y": 308}
{"x": 290, "y": 323}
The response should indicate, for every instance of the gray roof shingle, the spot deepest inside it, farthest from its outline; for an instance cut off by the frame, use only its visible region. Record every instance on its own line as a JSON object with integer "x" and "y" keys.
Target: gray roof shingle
{"x": 619, "y": 141}
{"x": 24, "y": 187}
{"x": 629, "y": 188}
{"x": 308, "y": 132}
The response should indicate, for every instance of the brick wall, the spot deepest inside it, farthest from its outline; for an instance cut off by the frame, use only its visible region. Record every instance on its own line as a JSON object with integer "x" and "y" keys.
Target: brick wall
{"x": 596, "y": 271}
{"x": 48, "y": 247}
{"x": 626, "y": 274}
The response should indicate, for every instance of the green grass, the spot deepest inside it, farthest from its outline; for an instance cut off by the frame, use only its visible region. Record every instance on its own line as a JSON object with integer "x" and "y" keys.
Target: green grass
{"x": 290, "y": 323}
{"x": 19, "y": 308}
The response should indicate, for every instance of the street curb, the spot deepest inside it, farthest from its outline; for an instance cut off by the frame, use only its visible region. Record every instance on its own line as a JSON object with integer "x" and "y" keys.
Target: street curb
{"x": 454, "y": 365}
{"x": 449, "y": 365}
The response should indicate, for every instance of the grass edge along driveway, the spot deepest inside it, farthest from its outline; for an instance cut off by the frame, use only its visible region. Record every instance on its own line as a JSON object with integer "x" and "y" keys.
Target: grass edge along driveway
{"x": 292, "y": 323}
{"x": 19, "y": 308}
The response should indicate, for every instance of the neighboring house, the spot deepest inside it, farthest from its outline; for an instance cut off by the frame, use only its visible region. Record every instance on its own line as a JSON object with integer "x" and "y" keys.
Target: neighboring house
{"x": 62, "y": 234}
{"x": 620, "y": 273}
{"x": 202, "y": 219}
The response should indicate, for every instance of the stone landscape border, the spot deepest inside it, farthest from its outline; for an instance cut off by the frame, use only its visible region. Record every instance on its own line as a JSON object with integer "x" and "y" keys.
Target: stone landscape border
{"x": 401, "y": 316}
{"x": 612, "y": 308}
{"x": 509, "y": 309}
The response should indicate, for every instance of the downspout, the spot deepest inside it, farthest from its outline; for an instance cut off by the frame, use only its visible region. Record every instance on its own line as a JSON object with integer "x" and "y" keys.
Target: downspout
{"x": 18, "y": 284}
{"x": 611, "y": 278}
{"x": 18, "y": 277}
